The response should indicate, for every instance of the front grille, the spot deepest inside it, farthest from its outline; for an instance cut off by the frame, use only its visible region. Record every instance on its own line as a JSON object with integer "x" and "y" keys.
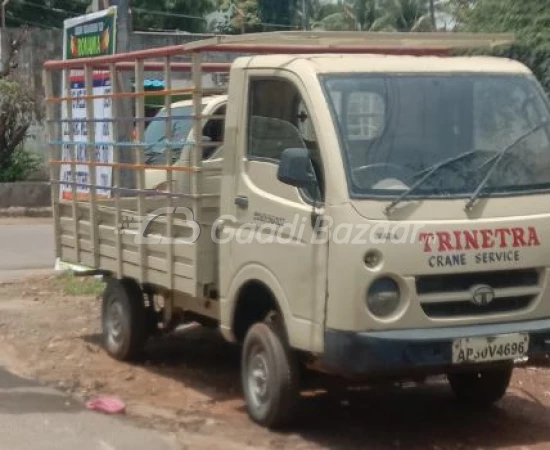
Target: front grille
{"x": 502, "y": 279}
{"x": 466, "y": 308}
{"x": 450, "y": 296}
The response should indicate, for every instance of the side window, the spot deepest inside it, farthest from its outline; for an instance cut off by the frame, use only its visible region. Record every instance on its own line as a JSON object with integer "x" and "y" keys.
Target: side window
{"x": 273, "y": 118}
{"x": 214, "y": 131}
{"x": 278, "y": 119}
{"x": 181, "y": 123}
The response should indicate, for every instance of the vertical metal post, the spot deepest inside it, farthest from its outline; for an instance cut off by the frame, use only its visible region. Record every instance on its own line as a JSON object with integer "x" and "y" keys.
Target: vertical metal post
{"x": 116, "y": 169}
{"x": 196, "y": 153}
{"x": 140, "y": 135}
{"x": 91, "y": 150}
{"x": 54, "y": 170}
{"x": 169, "y": 174}
{"x": 73, "y": 152}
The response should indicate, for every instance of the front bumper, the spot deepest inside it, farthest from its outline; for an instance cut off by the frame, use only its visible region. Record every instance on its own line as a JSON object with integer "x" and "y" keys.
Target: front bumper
{"x": 406, "y": 352}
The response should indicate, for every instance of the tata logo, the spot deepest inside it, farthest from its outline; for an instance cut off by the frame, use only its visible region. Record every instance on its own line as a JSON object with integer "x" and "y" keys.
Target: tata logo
{"x": 482, "y": 294}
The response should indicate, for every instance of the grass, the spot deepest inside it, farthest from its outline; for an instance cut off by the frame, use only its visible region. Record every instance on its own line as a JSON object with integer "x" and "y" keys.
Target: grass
{"x": 79, "y": 286}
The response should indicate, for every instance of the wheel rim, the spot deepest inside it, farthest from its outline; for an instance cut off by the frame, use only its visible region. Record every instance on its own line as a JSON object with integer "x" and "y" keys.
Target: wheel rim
{"x": 258, "y": 378}
{"x": 114, "y": 323}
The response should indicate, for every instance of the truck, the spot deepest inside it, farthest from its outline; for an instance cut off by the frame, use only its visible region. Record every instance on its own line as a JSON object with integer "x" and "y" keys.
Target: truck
{"x": 378, "y": 211}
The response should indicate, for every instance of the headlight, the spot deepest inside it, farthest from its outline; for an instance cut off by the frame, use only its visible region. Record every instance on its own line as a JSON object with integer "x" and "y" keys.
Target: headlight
{"x": 383, "y": 297}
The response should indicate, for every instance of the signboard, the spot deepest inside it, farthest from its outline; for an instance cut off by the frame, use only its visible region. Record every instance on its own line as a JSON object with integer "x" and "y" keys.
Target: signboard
{"x": 88, "y": 36}
{"x": 91, "y": 37}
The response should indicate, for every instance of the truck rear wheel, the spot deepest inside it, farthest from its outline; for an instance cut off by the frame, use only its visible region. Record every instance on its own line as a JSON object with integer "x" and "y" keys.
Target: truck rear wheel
{"x": 124, "y": 319}
{"x": 270, "y": 376}
{"x": 481, "y": 387}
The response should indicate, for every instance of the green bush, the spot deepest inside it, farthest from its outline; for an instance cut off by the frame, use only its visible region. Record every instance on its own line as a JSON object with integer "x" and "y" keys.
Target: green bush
{"x": 19, "y": 166}
{"x": 17, "y": 110}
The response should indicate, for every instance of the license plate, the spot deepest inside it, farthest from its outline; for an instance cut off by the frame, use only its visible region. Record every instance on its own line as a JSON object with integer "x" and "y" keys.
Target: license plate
{"x": 495, "y": 348}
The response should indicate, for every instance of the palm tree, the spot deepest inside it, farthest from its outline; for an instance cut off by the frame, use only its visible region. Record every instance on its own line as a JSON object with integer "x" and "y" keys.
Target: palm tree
{"x": 317, "y": 11}
{"x": 404, "y": 15}
{"x": 374, "y": 15}
{"x": 347, "y": 15}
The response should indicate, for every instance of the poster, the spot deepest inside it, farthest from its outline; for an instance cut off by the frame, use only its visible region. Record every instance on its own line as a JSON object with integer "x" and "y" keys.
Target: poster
{"x": 88, "y": 36}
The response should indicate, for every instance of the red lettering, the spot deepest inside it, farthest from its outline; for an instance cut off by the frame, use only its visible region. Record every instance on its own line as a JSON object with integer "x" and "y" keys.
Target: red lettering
{"x": 471, "y": 240}
{"x": 501, "y": 234}
{"x": 444, "y": 239}
{"x": 533, "y": 237}
{"x": 519, "y": 241}
{"x": 458, "y": 244}
{"x": 484, "y": 239}
{"x": 488, "y": 241}
{"x": 427, "y": 239}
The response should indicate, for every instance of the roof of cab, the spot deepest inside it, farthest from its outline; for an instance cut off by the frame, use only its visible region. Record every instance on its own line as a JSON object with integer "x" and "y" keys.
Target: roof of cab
{"x": 338, "y": 63}
{"x": 205, "y": 101}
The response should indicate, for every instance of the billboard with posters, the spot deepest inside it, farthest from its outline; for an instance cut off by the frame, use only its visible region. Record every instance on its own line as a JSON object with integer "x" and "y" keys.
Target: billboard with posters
{"x": 88, "y": 36}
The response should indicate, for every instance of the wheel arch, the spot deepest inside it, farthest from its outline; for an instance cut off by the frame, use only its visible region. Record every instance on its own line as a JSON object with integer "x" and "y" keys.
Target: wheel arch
{"x": 251, "y": 282}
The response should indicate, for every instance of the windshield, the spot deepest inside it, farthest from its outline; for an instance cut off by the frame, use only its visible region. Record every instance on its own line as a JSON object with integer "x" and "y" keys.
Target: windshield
{"x": 155, "y": 134}
{"x": 396, "y": 129}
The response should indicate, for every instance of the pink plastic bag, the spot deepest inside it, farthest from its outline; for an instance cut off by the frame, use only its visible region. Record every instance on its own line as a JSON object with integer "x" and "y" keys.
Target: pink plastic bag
{"x": 107, "y": 405}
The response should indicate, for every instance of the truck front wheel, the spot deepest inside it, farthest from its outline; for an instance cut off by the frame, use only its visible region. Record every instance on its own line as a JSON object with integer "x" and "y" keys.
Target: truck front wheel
{"x": 270, "y": 376}
{"x": 481, "y": 387}
{"x": 124, "y": 319}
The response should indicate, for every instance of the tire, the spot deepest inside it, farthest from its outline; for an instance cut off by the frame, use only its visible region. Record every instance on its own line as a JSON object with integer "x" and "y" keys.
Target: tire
{"x": 482, "y": 387}
{"x": 270, "y": 376}
{"x": 124, "y": 320}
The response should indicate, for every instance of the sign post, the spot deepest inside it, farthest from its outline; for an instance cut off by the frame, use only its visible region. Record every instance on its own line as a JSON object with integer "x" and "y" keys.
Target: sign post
{"x": 88, "y": 36}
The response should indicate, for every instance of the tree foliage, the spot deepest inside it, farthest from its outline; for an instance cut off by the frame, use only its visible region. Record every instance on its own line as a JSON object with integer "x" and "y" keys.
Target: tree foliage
{"x": 343, "y": 15}
{"x": 171, "y": 14}
{"x": 43, "y": 13}
{"x": 374, "y": 15}
{"x": 528, "y": 19}
{"x": 17, "y": 109}
{"x": 322, "y": 15}
{"x": 245, "y": 15}
{"x": 278, "y": 12}
{"x": 147, "y": 14}
{"x": 404, "y": 15}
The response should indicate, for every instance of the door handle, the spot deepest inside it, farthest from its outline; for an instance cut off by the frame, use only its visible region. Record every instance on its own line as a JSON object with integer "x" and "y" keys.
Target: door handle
{"x": 241, "y": 201}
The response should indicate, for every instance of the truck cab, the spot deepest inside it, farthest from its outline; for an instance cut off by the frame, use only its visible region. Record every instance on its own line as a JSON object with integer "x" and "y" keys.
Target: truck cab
{"x": 399, "y": 211}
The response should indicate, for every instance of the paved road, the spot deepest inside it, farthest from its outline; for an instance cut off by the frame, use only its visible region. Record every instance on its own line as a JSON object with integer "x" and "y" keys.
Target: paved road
{"x": 26, "y": 247}
{"x": 33, "y": 417}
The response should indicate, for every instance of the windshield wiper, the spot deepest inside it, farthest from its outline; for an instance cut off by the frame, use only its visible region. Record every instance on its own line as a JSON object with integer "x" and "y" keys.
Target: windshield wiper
{"x": 428, "y": 172}
{"x": 496, "y": 160}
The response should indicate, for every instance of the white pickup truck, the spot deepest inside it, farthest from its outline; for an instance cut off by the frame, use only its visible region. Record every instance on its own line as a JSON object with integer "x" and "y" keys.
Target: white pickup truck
{"x": 182, "y": 136}
{"x": 380, "y": 210}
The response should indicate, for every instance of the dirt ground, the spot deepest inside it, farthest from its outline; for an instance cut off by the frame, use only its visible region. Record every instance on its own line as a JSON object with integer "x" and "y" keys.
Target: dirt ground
{"x": 189, "y": 385}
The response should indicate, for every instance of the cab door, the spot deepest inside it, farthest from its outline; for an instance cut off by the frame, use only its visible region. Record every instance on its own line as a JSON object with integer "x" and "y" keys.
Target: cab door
{"x": 274, "y": 235}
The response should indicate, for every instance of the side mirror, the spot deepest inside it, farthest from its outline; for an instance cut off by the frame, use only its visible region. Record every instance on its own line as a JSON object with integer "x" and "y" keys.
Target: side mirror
{"x": 296, "y": 169}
